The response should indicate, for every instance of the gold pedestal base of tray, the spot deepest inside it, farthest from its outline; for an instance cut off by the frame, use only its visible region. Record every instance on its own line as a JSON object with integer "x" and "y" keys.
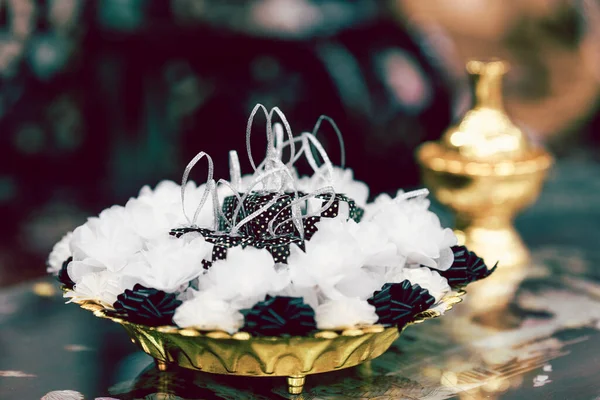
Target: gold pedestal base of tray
{"x": 293, "y": 357}
{"x": 241, "y": 354}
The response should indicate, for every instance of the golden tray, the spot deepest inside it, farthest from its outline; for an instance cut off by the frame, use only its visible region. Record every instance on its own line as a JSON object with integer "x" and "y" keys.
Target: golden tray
{"x": 242, "y": 354}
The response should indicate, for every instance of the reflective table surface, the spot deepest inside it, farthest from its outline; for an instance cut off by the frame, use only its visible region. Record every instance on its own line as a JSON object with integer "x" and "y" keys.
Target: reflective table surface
{"x": 525, "y": 333}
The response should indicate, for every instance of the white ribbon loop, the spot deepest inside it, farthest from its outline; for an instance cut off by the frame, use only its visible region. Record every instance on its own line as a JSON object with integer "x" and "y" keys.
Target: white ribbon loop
{"x": 235, "y": 171}
{"x": 298, "y": 153}
{"x": 288, "y": 130}
{"x": 278, "y": 129}
{"x": 309, "y": 137}
{"x": 220, "y": 213}
{"x": 274, "y": 145}
{"x": 249, "y": 133}
{"x": 337, "y": 132}
{"x": 411, "y": 195}
{"x": 207, "y": 188}
{"x": 275, "y": 176}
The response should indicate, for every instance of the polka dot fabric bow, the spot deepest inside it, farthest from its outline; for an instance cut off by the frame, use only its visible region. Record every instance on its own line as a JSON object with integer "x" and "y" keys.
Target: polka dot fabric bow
{"x": 342, "y": 204}
{"x": 280, "y": 213}
{"x": 256, "y": 232}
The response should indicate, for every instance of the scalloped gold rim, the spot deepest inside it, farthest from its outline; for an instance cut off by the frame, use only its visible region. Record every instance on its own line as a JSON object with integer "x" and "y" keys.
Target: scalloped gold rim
{"x": 99, "y": 311}
{"x": 435, "y": 157}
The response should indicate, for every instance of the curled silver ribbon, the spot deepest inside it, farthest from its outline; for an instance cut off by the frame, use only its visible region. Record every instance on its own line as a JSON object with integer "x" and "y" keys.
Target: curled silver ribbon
{"x": 288, "y": 130}
{"x": 276, "y": 174}
{"x": 412, "y": 195}
{"x": 220, "y": 213}
{"x": 207, "y": 189}
{"x": 249, "y": 132}
{"x": 337, "y": 132}
{"x": 235, "y": 171}
{"x": 272, "y": 156}
{"x": 278, "y": 129}
{"x": 295, "y": 206}
{"x": 272, "y": 173}
{"x": 308, "y": 137}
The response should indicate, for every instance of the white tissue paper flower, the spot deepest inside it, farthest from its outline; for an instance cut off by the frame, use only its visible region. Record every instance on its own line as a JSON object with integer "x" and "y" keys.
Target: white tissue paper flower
{"x": 361, "y": 283}
{"x": 60, "y": 253}
{"x": 331, "y": 255}
{"x": 164, "y": 193}
{"x": 80, "y": 268}
{"x": 395, "y": 274}
{"x": 187, "y": 294}
{"x": 244, "y": 277}
{"x": 371, "y": 250}
{"x": 416, "y": 232}
{"x": 150, "y": 221}
{"x": 205, "y": 312}
{"x": 428, "y": 279}
{"x": 343, "y": 182}
{"x": 345, "y": 312}
{"x": 375, "y": 244}
{"x": 309, "y": 295}
{"x": 106, "y": 239}
{"x": 157, "y": 211}
{"x": 114, "y": 213}
{"x": 101, "y": 287}
{"x": 169, "y": 263}
{"x": 380, "y": 202}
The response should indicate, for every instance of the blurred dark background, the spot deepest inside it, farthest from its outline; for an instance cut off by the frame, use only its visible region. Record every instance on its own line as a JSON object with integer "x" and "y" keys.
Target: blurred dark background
{"x": 98, "y": 98}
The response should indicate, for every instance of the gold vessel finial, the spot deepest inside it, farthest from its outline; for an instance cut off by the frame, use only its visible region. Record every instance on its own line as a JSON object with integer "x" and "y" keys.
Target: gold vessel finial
{"x": 486, "y": 132}
{"x": 485, "y": 170}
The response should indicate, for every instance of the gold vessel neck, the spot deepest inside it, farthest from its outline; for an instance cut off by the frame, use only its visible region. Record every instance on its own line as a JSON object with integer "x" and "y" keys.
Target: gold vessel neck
{"x": 486, "y": 132}
{"x": 486, "y": 83}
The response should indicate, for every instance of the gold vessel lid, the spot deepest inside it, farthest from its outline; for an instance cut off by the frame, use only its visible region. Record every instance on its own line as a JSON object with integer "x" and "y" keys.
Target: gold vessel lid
{"x": 486, "y": 133}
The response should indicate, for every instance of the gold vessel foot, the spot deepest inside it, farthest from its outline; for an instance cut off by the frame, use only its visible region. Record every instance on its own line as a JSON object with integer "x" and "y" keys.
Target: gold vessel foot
{"x": 493, "y": 240}
{"x": 295, "y": 384}
{"x": 160, "y": 365}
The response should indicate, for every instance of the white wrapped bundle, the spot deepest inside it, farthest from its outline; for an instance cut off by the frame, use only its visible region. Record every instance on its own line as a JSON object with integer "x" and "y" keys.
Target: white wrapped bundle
{"x": 269, "y": 253}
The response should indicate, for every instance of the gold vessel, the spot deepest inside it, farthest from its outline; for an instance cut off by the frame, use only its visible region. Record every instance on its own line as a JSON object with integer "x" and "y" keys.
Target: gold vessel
{"x": 241, "y": 354}
{"x": 485, "y": 170}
